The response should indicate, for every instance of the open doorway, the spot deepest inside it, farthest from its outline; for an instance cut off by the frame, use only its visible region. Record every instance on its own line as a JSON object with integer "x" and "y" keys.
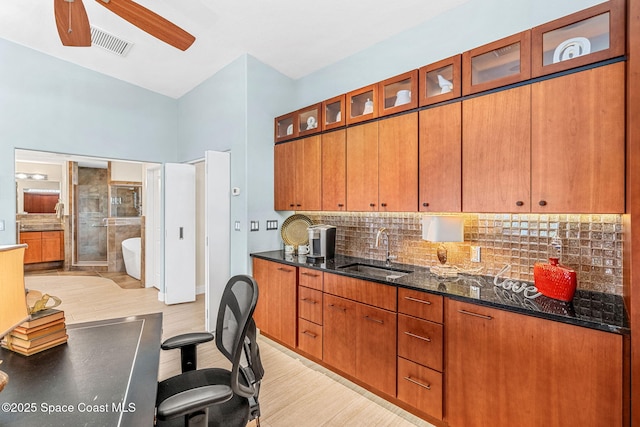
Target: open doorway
{"x": 99, "y": 206}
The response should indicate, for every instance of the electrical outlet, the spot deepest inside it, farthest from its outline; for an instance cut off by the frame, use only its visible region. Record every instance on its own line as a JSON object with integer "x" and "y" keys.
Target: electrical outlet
{"x": 475, "y": 253}
{"x": 272, "y": 224}
{"x": 255, "y": 226}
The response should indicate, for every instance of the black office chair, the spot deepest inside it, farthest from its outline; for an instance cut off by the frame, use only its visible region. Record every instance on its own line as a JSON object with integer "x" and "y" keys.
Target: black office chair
{"x": 217, "y": 396}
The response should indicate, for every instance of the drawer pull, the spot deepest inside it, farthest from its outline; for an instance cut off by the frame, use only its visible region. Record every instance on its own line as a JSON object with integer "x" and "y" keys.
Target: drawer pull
{"x": 286, "y": 270}
{"x": 469, "y": 313}
{"x": 418, "y": 336}
{"x": 418, "y": 300}
{"x": 411, "y": 380}
{"x": 304, "y": 273}
{"x": 337, "y": 307}
{"x": 309, "y": 300}
{"x": 311, "y": 334}
{"x": 374, "y": 320}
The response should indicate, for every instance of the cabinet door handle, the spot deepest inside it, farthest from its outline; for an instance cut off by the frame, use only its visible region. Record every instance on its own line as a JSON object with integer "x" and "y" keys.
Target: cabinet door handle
{"x": 340, "y": 205}
{"x": 286, "y": 270}
{"x": 469, "y": 313}
{"x": 311, "y": 334}
{"x": 411, "y": 380}
{"x": 417, "y": 336}
{"x": 309, "y": 300}
{"x": 374, "y": 320}
{"x": 542, "y": 203}
{"x": 425, "y": 204}
{"x": 519, "y": 203}
{"x": 309, "y": 274}
{"x": 418, "y": 300}
{"x": 384, "y": 205}
{"x": 337, "y": 307}
{"x": 372, "y": 204}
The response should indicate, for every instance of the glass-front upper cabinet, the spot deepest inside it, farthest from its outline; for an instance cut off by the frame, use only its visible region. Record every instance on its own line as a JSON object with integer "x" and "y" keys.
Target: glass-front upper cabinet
{"x": 497, "y": 64}
{"x": 588, "y": 36}
{"x": 310, "y": 120}
{"x": 362, "y": 104}
{"x": 333, "y": 112}
{"x": 286, "y": 127}
{"x": 399, "y": 93}
{"x": 440, "y": 81}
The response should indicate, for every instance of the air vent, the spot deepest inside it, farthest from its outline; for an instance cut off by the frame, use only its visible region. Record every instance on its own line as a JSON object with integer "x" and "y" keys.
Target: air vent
{"x": 109, "y": 42}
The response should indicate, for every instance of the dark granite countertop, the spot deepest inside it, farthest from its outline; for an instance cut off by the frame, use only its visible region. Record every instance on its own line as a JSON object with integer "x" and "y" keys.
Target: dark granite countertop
{"x": 595, "y": 310}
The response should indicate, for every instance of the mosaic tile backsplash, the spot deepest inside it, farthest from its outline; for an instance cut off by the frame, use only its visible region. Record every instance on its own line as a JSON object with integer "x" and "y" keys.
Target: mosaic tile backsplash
{"x": 591, "y": 244}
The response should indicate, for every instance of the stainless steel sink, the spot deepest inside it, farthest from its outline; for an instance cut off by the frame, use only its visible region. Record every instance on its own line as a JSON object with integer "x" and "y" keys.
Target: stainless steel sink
{"x": 375, "y": 271}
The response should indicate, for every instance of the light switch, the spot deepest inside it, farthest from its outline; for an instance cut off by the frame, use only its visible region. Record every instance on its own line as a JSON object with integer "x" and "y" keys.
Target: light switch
{"x": 272, "y": 224}
{"x": 255, "y": 226}
{"x": 1, "y": 224}
{"x": 237, "y": 226}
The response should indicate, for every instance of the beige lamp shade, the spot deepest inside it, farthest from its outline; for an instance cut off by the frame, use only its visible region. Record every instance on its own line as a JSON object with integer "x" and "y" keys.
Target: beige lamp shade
{"x": 443, "y": 228}
{"x": 13, "y": 301}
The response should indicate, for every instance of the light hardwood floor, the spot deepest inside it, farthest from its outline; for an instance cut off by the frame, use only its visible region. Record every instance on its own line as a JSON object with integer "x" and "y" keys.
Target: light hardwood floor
{"x": 295, "y": 391}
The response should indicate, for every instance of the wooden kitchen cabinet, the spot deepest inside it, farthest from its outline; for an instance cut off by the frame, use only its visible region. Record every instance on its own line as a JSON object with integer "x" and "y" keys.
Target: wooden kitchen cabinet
{"x": 506, "y": 369}
{"x": 275, "y": 313}
{"x": 578, "y": 142}
{"x": 339, "y": 316}
{"x": 360, "y": 324}
{"x": 382, "y": 165}
{"x": 440, "y": 159}
{"x": 298, "y": 175}
{"x": 496, "y": 152}
{"x": 362, "y": 167}
{"x": 43, "y": 246}
{"x": 334, "y": 171}
{"x": 398, "y": 163}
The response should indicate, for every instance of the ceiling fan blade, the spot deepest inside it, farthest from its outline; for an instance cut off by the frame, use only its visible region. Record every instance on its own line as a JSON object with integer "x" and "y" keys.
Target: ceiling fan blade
{"x": 150, "y": 22}
{"x": 72, "y": 22}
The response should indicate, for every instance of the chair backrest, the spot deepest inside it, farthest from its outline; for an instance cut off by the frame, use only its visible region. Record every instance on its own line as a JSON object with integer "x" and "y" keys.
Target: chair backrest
{"x": 236, "y": 334}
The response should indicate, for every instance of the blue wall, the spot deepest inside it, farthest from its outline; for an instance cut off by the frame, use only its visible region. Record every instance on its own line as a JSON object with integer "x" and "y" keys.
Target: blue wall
{"x": 48, "y": 104}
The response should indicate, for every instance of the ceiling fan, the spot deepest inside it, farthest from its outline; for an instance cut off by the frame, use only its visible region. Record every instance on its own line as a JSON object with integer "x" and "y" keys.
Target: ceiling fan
{"x": 74, "y": 30}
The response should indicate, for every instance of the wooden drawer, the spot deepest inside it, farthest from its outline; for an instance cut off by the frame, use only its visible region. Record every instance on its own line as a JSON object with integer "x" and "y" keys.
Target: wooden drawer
{"x": 372, "y": 293}
{"x": 310, "y": 338}
{"x": 310, "y": 304}
{"x": 420, "y": 387}
{"x": 420, "y": 304}
{"x": 310, "y": 278}
{"x": 420, "y": 341}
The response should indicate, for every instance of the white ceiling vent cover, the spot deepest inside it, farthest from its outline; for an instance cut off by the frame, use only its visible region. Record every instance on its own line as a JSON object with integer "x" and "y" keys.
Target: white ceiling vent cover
{"x": 109, "y": 42}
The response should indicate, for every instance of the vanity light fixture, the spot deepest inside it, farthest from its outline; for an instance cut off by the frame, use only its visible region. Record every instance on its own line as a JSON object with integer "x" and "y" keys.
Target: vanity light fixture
{"x": 36, "y": 176}
{"x": 443, "y": 229}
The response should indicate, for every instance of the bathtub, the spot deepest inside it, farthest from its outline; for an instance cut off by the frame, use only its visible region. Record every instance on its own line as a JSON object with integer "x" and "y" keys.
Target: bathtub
{"x": 131, "y": 251}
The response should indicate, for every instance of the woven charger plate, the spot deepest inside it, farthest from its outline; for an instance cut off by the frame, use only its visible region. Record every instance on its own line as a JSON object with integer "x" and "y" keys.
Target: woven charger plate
{"x": 294, "y": 230}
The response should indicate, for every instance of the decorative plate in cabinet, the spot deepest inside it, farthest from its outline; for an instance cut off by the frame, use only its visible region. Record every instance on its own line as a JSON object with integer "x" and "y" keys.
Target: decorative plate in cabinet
{"x": 333, "y": 115}
{"x": 310, "y": 119}
{"x": 398, "y": 93}
{"x": 440, "y": 81}
{"x": 286, "y": 127}
{"x": 362, "y": 104}
{"x": 585, "y": 37}
{"x": 496, "y": 64}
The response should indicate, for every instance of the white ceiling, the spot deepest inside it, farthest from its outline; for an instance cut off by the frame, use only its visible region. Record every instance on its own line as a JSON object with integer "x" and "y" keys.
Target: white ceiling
{"x": 296, "y": 37}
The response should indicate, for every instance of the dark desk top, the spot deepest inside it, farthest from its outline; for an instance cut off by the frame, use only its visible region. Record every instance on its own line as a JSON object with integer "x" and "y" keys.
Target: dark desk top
{"x": 595, "y": 310}
{"x": 105, "y": 375}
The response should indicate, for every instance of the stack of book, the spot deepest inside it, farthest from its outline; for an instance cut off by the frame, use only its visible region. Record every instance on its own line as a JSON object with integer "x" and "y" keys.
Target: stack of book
{"x": 45, "y": 329}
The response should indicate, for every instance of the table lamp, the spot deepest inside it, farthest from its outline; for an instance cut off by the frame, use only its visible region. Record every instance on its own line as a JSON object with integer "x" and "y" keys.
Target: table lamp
{"x": 13, "y": 300}
{"x": 442, "y": 229}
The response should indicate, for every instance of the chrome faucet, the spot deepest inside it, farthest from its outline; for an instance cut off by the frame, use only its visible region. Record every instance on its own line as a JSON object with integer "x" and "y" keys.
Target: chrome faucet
{"x": 382, "y": 231}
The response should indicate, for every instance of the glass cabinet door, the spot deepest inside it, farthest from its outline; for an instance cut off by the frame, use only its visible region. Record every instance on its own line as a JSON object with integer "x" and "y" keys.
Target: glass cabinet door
{"x": 333, "y": 112}
{"x": 440, "y": 81}
{"x": 362, "y": 104}
{"x": 286, "y": 127}
{"x": 585, "y": 37}
{"x": 310, "y": 120}
{"x": 399, "y": 93}
{"x": 496, "y": 64}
